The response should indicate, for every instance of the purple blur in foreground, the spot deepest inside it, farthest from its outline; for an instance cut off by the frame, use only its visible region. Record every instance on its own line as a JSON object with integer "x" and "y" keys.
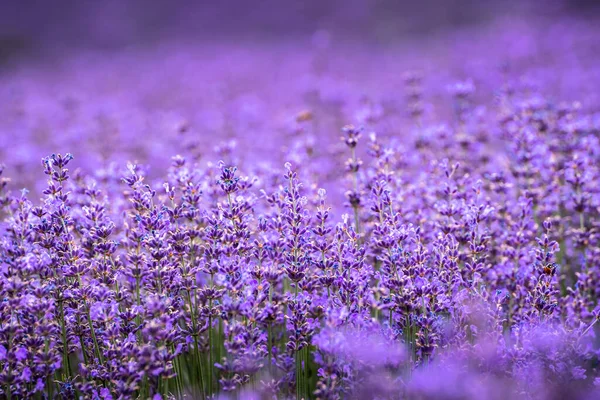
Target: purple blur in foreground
{"x": 305, "y": 219}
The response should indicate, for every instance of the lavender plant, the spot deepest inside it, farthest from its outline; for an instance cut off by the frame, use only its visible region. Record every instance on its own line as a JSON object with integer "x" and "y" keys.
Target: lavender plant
{"x": 447, "y": 247}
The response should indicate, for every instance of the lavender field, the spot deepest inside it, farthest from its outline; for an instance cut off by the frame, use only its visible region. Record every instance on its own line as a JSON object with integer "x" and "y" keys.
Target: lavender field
{"x": 365, "y": 207}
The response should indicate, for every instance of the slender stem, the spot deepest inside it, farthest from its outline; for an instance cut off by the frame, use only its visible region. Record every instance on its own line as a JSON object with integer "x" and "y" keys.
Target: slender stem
{"x": 270, "y": 346}
{"x": 210, "y": 357}
{"x": 590, "y": 327}
{"x": 138, "y": 302}
{"x": 305, "y": 370}
{"x": 196, "y": 345}
{"x": 355, "y": 182}
{"x": 298, "y": 390}
{"x": 83, "y": 348}
{"x": 63, "y": 327}
{"x": 94, "y": 339}
{"x": 176, "y": 367}
{"x": 8, "y": 389}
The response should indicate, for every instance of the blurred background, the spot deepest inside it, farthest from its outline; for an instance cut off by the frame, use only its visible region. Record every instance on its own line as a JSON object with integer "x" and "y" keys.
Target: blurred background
{"x": 35, "y": 27}
{"x": 119, "y": 80}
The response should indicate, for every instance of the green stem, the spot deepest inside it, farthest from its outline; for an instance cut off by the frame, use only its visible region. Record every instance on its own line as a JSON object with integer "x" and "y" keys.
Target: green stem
{"x": 8, "y": 390}
{"x": 178, "y": 376}
{"x": 269, "y": 345}
{"x": 210, "y": 358}
{"x": 197, "y": 357}
{"x": 63, "y": 327}
{"x": 85, "y": 360}
{"x": 298, "y": 390}
{"x": 305, "y": 371}
{"x": 94, "y": 339}
{"x": 138, "y": 301}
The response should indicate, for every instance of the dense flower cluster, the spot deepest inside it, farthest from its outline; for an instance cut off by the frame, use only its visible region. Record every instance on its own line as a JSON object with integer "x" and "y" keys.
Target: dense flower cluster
{"x": 455, "y": 255}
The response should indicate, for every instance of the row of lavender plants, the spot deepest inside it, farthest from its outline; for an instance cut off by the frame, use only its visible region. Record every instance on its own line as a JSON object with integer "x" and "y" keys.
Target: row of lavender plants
{"x": 466, "y": 265}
